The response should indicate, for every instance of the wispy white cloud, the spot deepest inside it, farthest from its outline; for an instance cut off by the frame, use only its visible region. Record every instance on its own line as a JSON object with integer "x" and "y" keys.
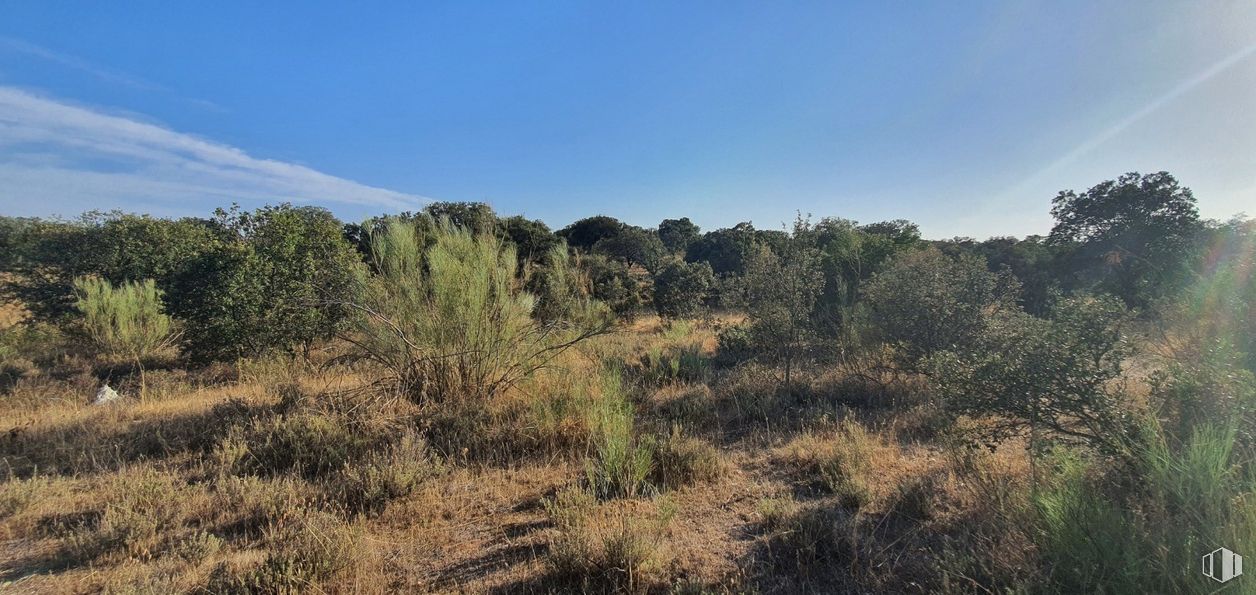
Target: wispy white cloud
{"x": 26, "y": 48}
{"x": 29, "y": 49}
{"x": 55, "y": 153}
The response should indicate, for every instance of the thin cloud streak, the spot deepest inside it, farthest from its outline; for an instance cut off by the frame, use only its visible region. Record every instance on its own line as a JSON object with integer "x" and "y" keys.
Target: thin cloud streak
{"x": 55, "y": 151}
{"x": 1146, "y": 110}
{"x": 75, "y": 63}
{"x": 68, "y": 61}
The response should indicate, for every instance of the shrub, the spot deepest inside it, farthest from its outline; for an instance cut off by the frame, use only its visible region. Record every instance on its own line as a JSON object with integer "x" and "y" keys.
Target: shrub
{"x": 735, "y": 345}
{"x": 123, "y": 321}
{"x": 1209, "y": 387}
{"x": 369, "y": 485}
{"x": 1085, "y": 537}
{"x": 562, "y": 291}
{"x": 1192, "y": 498}
{"x": 681, "y": 460}
{"x": 1056, "y": 376}
{"x": 1202, "y": 493}
{"x": 680, "y": 289}
{"x": 781, "y": 293}
{"x": 589, "y": 556}
{"x": 280, "y": 282}
{"x": 450, "y": 322}
{"x": 615, "y": 284}
{"x": 842, "y": 461}
{"x": 927, "y": 302}
{"x": 305, "y": 552}
{"x": 621, "y": 462}
{"x": 198, "y": 546}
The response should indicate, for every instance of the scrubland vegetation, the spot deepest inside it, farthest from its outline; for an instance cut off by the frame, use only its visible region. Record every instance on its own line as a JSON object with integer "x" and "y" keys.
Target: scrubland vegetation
{"x": 456, "y": 401}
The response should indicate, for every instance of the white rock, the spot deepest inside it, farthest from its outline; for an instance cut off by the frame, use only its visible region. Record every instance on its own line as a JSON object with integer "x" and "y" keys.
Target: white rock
{"x": 105, "y": 395}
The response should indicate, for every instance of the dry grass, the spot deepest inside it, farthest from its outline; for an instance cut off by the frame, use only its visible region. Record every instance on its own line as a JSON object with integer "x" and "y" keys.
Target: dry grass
{"x": 282, "y": 475}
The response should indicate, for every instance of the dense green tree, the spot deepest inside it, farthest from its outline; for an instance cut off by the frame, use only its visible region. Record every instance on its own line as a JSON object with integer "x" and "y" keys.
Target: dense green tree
{"x": 678, "y": 234}
{"x": 583, "y": 234}
{"x": 283, "y": 282}
{"x": 849, "y": 255}
{"x": 476, "y": 217}
{"x": 613, "y": 283}
{"x": 633, "y": 245}
{"x": 725, "y": 250}
{"x": 532, "y": 239}
{"x": 14, "y": 231}
{"x": 899, "y": 232}
{"x": 1133, "y": 236}
{"x": 926, "y": 302}
{"x": 681, "y": 289}
{"x": 1032, "y": 261}
{"x": 47, "y": 255}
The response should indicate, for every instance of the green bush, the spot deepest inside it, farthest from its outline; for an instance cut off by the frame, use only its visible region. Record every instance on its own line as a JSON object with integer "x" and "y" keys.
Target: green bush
{"x": 282, "y": 281}
{"x": 615, "y": 284}
{"x": 450, "y": 322}
{"x": 1057, "y": 377}
{"x": 782, "y": 287}
{"x": 1192, "y": 499}
{"x": 622, "y": 462}
{"x": 561, "y": 289}
{"x": 1208, "y": 387}
{"x": 927, "y": 302}
{"x": 1086, "y": 538}
{"x": 681, "y": 289}
{"x": 735, "y": 345}
{"x": 123, "y": 321}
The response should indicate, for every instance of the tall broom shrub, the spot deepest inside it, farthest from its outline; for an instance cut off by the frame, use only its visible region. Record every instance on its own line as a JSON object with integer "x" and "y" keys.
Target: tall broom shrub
{"x": 451, "y": 321}
{"x": 125, "y": 321}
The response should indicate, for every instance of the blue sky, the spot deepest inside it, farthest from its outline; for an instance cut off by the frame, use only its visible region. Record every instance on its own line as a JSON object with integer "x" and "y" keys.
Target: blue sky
{"x": 966, "y": 117}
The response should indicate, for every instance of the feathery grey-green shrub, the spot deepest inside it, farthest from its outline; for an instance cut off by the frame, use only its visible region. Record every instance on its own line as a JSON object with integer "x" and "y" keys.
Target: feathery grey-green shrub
{"x": 124, "y": 320}
{"x": 451, "y": 321}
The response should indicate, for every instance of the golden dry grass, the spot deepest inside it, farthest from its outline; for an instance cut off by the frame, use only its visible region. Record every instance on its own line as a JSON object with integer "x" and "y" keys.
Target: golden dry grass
{"x": 153, "y": 496}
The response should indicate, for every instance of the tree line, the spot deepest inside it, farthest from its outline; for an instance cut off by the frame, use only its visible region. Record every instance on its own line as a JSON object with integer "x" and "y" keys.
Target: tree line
{"x": 246, "y": 282}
